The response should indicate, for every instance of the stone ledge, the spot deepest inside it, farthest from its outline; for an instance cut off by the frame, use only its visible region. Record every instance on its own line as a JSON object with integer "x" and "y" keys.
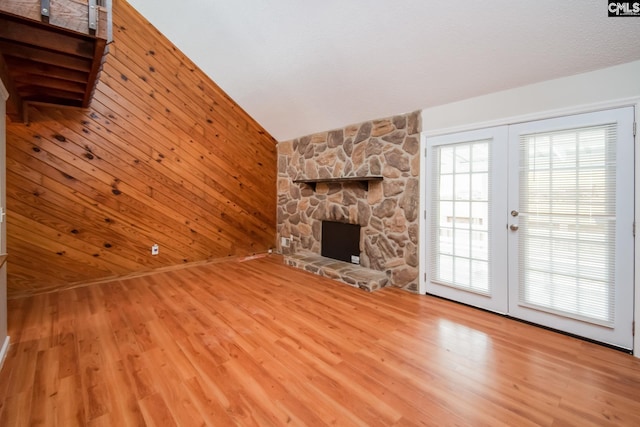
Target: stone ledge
{"x": 351, "y": 274}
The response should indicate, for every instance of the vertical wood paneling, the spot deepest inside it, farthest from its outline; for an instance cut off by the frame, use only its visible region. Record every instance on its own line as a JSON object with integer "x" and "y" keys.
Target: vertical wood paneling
{"x": 162, "y": 156}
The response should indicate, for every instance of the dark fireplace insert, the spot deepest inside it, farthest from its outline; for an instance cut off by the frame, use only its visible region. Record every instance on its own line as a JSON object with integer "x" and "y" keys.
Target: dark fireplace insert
{"x": 341, "y": 241}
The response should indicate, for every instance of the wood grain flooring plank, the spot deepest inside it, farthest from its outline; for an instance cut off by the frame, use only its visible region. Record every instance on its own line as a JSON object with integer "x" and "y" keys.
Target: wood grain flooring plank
{"x": 156, "y": 412}
{"x": 44, "y": 402}
{"x": 212, "y": 410}
{"x": 70, "y": 410}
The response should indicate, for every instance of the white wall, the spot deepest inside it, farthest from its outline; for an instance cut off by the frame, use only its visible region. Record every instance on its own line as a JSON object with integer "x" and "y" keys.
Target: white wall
{"x": 596, "y": 90}
{"x": 4, "y": 338}
{"x": 572, "y": 94}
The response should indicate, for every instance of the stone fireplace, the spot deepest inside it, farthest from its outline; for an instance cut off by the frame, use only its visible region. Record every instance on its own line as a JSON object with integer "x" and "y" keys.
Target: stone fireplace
{"x": 385, "y": 208}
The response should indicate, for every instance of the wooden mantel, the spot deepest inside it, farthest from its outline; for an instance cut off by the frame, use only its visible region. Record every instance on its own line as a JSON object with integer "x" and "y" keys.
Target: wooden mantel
{"x": 51, "y": 51}
{"x": 338, "y": 180}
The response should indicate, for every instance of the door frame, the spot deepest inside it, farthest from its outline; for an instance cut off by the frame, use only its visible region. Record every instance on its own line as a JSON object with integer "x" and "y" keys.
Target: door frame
{"x": 4, "y": 338}
{"x": 540, "y": 115}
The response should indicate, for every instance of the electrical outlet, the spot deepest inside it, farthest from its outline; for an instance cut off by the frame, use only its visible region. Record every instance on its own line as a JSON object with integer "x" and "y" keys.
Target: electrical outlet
{"x": 155, "y": 249}
{"x": 284, "y": 242}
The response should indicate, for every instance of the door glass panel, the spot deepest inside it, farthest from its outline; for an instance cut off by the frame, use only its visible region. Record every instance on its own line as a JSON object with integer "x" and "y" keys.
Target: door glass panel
{"x": 460, "y": 256}
{"x": 568, "y": 223}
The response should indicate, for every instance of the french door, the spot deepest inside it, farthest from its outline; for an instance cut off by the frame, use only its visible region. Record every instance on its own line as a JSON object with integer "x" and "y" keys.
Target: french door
{"x": 468, "y": 245}
{"x": 535, "y": 220}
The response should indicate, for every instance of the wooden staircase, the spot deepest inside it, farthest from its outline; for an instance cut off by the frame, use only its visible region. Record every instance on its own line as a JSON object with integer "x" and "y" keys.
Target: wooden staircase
{"x": 51, "y": 51}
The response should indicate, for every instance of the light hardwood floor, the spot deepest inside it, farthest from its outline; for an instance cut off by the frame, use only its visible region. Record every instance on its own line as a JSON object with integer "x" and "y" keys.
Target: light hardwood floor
{"x": 259, "y": 343}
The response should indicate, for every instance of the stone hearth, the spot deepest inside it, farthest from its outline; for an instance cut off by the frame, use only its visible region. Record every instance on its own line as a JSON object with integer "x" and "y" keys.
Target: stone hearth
{"x": 351, "y": 274}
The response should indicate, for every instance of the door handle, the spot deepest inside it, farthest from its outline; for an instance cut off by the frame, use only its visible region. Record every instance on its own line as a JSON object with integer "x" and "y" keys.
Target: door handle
{"x": 513, "y": 227}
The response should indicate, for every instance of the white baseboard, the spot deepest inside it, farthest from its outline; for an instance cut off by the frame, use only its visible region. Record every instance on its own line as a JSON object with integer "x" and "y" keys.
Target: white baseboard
{"x": 4, "y": 350}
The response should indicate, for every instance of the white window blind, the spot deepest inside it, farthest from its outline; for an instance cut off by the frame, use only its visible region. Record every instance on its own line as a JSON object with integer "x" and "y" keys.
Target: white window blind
{"x": 567, "y": 223}
{"x": 460, "y": 252}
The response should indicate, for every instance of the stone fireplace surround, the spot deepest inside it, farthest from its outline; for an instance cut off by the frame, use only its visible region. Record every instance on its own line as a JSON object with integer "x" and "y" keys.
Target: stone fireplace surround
{"x": 386, "y": 210}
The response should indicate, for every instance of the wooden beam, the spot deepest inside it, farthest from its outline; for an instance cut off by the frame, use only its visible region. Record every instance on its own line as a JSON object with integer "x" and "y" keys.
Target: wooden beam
{"x": 25, "y": 8}
{"x": 69, "y": 15}
{"x": 14, "y": 103}
{"x": 75, "y": 15}
{"x": 34, "y": 35}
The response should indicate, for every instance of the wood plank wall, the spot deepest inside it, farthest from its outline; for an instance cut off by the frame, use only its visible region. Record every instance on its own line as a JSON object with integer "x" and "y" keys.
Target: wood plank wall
{"x": 162, "y": 156}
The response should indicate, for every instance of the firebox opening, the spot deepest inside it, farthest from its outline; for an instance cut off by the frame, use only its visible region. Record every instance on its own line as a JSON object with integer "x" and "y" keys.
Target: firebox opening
{"x": 341, "y": 241}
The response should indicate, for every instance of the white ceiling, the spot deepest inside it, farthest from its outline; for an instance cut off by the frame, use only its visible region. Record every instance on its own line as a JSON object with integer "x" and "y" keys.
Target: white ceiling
{"x": 299, "y": 67}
